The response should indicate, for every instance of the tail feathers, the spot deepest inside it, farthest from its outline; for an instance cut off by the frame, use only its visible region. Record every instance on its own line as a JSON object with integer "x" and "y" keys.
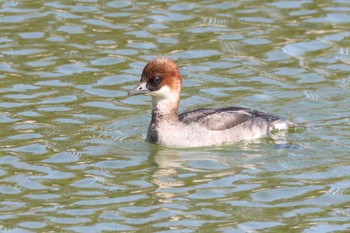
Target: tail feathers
{"x": 284, "y": 125}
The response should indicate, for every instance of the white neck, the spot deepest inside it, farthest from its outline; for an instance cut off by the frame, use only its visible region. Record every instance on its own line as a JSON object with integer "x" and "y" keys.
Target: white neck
{"x": 165, "y": 101}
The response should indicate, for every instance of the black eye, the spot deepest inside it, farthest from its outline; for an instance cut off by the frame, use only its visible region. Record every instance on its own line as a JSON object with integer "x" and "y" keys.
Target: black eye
{"x": 157, "y": 79}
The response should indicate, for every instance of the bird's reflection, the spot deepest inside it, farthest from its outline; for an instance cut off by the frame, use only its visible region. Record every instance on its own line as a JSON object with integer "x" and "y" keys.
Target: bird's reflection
{"x": 180, "y": 170}
{"x": 177, "y": 171}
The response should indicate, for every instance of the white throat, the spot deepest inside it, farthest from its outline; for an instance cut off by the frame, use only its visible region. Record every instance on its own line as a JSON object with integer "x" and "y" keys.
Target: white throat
{"x": 165, "y": 100}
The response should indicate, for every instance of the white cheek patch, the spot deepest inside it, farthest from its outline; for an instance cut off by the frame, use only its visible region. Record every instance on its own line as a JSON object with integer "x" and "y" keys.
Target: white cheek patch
{"x": 165, "y": 99}
{"x": 163, "y": 92}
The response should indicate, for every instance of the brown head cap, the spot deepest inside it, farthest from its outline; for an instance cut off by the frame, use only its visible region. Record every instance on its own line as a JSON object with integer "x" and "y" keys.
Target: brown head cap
{"x": 162, "y": 71}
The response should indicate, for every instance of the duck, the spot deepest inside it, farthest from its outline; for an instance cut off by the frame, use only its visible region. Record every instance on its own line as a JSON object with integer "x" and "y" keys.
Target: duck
{"x": 161, "y": 79}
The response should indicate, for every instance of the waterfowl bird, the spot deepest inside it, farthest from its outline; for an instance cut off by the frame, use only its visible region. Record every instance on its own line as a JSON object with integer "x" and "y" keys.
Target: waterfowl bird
{"x": 161, "y": 79}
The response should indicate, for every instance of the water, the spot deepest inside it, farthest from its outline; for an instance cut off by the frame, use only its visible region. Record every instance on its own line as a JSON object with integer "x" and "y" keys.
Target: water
{"x": 72, "y": 153}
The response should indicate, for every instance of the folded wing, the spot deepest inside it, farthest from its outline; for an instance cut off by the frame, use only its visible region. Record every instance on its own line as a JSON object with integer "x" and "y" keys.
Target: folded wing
{"x": 223, "y": 118}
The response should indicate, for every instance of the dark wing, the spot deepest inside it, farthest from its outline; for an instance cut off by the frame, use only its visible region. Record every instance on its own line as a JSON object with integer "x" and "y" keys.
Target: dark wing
{"x": 223, "y": 118}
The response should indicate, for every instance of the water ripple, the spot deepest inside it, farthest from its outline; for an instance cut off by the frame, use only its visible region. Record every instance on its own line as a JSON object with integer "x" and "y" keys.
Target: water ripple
{"x": 72, "y": 150}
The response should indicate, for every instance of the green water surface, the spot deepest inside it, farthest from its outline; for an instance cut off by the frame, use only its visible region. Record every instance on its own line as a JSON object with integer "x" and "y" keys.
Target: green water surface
{"x": 72, "y": 151}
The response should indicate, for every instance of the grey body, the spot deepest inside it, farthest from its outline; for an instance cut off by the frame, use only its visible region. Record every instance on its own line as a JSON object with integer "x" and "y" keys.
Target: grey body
{"x": 208, "y": 126}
